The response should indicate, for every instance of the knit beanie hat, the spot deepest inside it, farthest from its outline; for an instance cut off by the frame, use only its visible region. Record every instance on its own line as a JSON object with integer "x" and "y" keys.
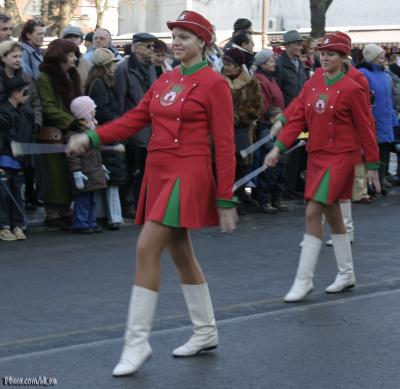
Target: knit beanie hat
{"x": 82, "y": 107}
{"x": 371, "y": 52}
{"x": 234, "y": 55}
{"x": 102, "y": 56}
{"x": 263, "y": 56}
{"x": 242, "y": 24}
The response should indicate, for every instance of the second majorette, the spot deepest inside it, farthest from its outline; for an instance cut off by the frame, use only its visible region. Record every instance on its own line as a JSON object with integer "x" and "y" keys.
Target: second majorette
{"x": 335, "y": 110}
{"x": 185, "y": 108}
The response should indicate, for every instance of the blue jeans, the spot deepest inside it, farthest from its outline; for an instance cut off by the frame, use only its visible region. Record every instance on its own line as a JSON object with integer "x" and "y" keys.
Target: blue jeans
{"x": 84, "y": 211}
{"x": 11, "y": 215}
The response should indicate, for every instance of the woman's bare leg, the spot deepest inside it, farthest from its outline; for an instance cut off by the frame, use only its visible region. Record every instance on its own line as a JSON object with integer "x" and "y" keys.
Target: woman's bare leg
{"x": 334, "y": 218}
{"x": 152, "y": 240}
{"x": 182, "y": 253}
{"x": 314, "y": 211}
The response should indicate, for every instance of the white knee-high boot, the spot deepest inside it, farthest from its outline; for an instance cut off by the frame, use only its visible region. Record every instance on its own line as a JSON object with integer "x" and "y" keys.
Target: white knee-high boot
{"x": 347, "y": 220}
{"x": 205, "y": 333}
{"x": 303, "y": 284}
{"x": 344, "y": 259}
{"x": 136, "y": 349}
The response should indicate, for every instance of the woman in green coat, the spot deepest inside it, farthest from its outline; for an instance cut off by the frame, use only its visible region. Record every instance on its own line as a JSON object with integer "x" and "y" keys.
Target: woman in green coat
{"x": 58, "y": 84}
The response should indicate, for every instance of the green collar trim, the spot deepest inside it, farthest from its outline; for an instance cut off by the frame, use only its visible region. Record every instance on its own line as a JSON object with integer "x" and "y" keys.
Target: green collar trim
{"x": 334, "y": 80}
{"x": 194, "y": 68}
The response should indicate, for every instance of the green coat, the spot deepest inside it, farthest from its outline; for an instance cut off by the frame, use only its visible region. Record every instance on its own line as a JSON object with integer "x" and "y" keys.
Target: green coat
{"x": 56, "y": 184}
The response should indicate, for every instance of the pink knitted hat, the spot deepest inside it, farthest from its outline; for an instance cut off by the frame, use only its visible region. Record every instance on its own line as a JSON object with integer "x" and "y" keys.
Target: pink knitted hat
{"x": 82, "y": 107}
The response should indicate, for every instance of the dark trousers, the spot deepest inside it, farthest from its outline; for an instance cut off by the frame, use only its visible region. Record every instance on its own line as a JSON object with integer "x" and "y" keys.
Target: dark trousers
{"x": 270, "y": 184}
{"x": 136, "y": 162}
{"x": 12, "y": 216}
{"x": 271, "y": 181}
{"x": 295, "y": 164}
{"x": 30, "y": 186}
{"x": 84, "y": 211}
{"x": 384, "y": 151}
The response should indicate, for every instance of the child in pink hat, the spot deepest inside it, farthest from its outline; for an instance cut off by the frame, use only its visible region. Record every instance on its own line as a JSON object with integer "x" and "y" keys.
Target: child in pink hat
{"x": 88, "y": 172}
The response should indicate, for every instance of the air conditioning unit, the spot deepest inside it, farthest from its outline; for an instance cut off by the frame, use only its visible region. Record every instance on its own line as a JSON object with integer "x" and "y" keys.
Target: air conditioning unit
{"x": 274, "y": 24}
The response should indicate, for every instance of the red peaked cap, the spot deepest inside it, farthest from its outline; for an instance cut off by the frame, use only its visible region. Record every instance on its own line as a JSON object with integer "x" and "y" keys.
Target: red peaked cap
{"x": 194, "y": 22}
{"x": 336, "y": 41}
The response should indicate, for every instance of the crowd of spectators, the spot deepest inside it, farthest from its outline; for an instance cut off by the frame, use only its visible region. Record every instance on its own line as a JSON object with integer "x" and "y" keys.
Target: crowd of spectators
{"x": 47, "y": 95}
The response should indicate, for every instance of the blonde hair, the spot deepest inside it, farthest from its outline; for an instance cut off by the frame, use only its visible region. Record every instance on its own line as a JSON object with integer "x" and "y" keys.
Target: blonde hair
{"x": 7, "y": 47}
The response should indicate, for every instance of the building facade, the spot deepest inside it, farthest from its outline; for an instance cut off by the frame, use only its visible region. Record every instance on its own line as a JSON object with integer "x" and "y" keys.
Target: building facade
{"x": 151, "y": 15}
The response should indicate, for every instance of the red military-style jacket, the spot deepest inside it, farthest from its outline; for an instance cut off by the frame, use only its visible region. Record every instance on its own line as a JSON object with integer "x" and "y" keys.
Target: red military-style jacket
{"x": 337, "y": 117}
{"x": 185, "y": 111}
{"x": 355, "y": 75}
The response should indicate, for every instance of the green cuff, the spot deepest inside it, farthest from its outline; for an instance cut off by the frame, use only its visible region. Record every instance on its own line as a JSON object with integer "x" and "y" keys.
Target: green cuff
{"x": 280, "y": 117}
{"x": 222, "y": 203}
{"x": 282, "y": 148}
{"x": 372, "y": 165}
{"x": 94, "y": 138}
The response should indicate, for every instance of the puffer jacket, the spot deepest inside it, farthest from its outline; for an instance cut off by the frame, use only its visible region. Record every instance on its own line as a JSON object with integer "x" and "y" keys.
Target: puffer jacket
{"x": 380, "y": 85}
{"x": 90, "y": 164}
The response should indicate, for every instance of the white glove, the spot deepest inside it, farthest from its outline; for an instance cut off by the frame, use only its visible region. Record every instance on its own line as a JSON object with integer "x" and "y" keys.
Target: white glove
{"x": 79, "y": 179}
{"x": 106, "y": 173}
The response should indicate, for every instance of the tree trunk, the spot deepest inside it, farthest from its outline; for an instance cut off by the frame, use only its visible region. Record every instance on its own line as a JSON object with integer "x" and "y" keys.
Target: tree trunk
{"x": 100, "y": 11}
{"x": 318, "y": 16}
{"x": 57, "y": 14}
{"x": 66, "y": 11}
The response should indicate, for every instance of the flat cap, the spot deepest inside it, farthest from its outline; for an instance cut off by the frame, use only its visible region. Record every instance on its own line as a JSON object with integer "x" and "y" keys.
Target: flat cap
{"x": 72, "y": 30}
{"x": 143, "y": 37}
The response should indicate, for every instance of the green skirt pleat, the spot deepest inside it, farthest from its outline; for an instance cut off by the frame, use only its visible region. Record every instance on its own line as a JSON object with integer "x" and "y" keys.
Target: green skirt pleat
{"x": 172, "y": 212}
{"x": 323, "y": 189}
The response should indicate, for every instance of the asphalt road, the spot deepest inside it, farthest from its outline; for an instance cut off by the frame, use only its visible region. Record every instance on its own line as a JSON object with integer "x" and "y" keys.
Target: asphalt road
{"x": 63, "y": 305}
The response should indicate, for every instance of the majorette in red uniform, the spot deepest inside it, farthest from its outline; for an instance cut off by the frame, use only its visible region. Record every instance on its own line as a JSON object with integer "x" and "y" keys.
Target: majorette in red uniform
{"x": 359, "y": 78}
{"x": 336, "y": 113}
{"x": 186, "y": 108}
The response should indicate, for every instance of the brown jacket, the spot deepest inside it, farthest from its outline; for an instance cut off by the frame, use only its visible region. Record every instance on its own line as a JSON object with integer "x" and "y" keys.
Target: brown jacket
{"x": 247, "y": 103}
{"x": 90, "y": 165}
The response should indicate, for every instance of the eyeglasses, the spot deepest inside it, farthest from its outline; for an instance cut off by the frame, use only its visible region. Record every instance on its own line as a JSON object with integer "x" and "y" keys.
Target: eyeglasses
{"x": 25, "y": 92}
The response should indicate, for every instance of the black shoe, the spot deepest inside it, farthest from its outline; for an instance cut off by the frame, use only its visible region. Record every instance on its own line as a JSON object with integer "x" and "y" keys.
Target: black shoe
{"x": 97, "y": 229}
{"x": 38, "y": 203}
{"x": 57, "y": 223}
{"x": 84, "y": 231}
{"x": 114, "y": 226}
{"x": 30, "y": 207}
{"x": 281, "y": 207}
{"x": 268, "y": 208}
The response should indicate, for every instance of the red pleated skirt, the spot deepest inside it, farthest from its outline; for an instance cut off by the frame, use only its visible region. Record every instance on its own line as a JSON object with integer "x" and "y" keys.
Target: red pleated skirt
{"x": 341, "y": 172}
{"x": 197, "y": 190}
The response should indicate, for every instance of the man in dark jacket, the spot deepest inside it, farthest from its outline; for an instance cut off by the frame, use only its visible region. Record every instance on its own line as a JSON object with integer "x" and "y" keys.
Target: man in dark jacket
{"x": 290, "y": 72}
{"x": 133, "y": 77}
{"x": 291, "y": 76}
